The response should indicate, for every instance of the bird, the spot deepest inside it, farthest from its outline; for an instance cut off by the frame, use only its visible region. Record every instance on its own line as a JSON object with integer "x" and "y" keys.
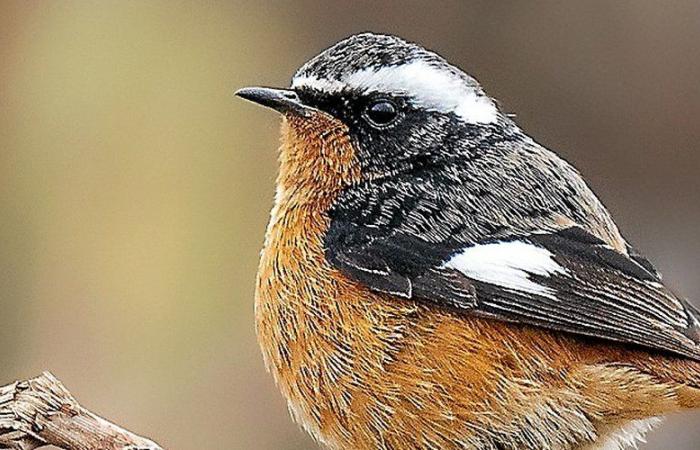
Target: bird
{"x": 433, "y": 278}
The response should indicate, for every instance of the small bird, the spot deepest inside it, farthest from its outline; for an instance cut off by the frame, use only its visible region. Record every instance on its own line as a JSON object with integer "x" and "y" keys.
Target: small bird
{"x": 433, "y": 278}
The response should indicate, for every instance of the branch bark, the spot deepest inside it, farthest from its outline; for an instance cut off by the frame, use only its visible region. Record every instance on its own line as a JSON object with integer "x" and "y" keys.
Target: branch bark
{"x": 40, "y": 411}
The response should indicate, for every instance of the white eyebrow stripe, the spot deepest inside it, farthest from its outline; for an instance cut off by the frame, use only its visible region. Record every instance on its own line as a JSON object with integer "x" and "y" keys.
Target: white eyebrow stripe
{"x": 428, "y": 87}
{"x": 330, "y": 86}
{"x": 508, "y": 264}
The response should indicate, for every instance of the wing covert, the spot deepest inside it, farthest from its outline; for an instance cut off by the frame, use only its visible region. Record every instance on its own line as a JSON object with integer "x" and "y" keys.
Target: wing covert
{"x": 568, "y": 281}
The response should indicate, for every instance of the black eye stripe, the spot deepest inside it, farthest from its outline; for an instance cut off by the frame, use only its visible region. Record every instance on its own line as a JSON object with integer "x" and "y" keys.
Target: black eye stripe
{"x": 377, "y": 110}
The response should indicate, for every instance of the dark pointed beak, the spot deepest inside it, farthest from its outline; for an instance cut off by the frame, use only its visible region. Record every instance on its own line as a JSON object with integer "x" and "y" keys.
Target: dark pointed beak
{"x": 282, "y": 100}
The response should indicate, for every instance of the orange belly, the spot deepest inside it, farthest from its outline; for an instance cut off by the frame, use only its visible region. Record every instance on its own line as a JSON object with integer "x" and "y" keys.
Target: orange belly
{"x": 362, "y": 370}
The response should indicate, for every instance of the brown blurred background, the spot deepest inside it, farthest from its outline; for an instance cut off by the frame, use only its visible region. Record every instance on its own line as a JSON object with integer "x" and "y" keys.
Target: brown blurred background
{"x": 134, "y": 189}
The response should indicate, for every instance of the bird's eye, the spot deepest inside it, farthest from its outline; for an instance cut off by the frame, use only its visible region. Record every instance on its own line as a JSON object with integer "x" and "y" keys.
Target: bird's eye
{"x": 381, "y": 112}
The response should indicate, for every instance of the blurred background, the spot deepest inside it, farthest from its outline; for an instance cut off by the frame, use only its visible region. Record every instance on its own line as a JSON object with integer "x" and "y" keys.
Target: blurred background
{"x": 135, "y": 190}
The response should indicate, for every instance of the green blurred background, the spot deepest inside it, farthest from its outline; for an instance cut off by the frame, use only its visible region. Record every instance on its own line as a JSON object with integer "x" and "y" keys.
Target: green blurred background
{"x": 134, "y": 189}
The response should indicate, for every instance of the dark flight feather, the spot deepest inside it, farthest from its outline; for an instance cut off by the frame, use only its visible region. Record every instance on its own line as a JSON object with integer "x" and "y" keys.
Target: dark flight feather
{"x": 598, "y": 292}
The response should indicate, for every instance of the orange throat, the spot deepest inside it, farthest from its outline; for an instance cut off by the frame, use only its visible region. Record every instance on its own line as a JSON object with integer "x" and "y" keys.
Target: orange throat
{"x": 315, "y": 326}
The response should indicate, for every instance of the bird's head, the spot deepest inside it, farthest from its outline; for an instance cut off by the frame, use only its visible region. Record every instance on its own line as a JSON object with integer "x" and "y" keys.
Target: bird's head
{"x": 400, "y": 107}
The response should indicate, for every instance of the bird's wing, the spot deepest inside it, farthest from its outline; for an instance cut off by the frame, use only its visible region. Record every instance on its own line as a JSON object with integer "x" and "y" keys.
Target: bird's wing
{"x": 567, "y": 280}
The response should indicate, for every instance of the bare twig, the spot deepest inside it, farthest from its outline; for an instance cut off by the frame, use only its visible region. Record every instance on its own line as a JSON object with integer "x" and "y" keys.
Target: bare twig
{"x": 41, "y": 411}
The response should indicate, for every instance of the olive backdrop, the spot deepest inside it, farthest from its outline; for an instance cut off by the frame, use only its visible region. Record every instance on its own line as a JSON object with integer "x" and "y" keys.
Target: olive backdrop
{"x": 134, "y": 189}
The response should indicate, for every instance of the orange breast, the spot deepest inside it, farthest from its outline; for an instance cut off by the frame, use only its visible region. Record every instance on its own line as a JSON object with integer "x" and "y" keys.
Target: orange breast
{"x": 364, "y": 370}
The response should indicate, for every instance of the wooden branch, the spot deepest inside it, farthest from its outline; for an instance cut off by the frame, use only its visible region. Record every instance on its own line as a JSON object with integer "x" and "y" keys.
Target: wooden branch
{"x": 41, "y": 411}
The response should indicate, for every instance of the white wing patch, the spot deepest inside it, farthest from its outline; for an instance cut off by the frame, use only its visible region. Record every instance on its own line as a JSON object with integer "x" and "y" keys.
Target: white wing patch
{"x": 508, "y": 264}
{"x": 427, "y": 86}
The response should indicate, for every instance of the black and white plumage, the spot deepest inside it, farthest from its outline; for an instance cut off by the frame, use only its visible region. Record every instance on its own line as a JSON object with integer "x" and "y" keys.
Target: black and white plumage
{"x": 459, "y": 208}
